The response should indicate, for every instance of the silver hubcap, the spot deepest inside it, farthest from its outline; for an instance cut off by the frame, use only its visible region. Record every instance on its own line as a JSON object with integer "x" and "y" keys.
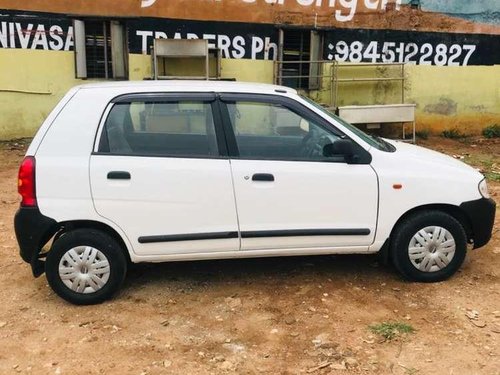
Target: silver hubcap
{"x": 431, "y": 249}
{"x": 84, "y": 269}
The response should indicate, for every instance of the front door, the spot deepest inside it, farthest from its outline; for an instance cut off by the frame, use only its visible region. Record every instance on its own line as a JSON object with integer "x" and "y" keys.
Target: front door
{"x": 159, "y": 174}
{"x": 288, "y": 195}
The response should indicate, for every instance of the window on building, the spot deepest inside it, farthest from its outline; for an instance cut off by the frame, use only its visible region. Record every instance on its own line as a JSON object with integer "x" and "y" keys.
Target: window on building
{"x": 300, "y": 51}
{"x": 100, "y": 49}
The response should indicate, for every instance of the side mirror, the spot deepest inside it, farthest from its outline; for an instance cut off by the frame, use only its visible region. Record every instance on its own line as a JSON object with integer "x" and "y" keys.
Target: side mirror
{"x": 341, "y": 147}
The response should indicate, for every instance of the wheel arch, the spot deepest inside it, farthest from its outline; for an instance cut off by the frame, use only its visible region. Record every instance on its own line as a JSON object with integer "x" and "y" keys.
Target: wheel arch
{"x": 414, "y": 220}
{"x": 68, "y": 226}
{"x": 454, "y": 211}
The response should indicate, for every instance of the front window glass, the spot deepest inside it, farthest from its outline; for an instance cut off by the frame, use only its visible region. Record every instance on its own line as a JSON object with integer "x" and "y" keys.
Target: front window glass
{"x": 372, "y": 140}
{"x": 271, "y": 131}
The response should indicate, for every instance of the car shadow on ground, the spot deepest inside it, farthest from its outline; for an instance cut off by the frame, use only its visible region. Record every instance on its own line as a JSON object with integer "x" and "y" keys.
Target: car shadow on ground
{"x": 275, "y": 270}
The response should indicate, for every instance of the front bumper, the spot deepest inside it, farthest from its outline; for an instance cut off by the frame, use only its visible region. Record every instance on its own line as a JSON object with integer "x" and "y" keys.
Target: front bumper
{"x": 33, "y": 230}
{"x": 481, "y": 215}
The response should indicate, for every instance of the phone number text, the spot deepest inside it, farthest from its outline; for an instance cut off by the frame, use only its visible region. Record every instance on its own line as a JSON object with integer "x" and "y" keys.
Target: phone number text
{"x": 394, "y": 52}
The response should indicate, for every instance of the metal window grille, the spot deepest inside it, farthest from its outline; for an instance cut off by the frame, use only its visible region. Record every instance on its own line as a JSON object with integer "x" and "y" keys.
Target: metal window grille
{"x": 98, "y": 49}
{"x": 296, "y": 47}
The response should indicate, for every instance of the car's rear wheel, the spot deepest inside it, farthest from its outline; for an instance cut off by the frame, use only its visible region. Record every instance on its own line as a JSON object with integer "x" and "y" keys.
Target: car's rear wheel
{"x": 85, "y": 266}
{"x": 428, "y": 246}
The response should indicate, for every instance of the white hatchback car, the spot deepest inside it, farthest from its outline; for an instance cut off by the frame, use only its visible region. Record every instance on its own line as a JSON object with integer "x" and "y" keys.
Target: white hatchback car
{"x": 188, "y": 170}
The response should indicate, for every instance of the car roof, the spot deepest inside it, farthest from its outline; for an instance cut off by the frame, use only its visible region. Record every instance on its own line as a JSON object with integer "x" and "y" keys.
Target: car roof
{"x": 192, "y": 86}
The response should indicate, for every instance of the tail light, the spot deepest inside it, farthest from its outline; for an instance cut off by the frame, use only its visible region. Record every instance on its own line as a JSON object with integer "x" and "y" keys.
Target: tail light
{"x": 26, "y": 182}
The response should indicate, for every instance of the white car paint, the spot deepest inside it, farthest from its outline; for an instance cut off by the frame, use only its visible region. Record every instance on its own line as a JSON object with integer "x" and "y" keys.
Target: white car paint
{"x": 343, "y": 195}
{"x": 307, "y": 195}
{"x": 167, "y": 196}
{"x": 427, "y": 177}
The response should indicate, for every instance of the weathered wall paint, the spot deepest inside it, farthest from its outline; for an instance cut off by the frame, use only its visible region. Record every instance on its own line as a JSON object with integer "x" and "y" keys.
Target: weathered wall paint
{"x": 466, "y": 98}
{"x": 485, "y": 11}
{"x": 36, "y": 50}
{"x": 383, "y": 14}
{"x": 260, "y": 41}
{"x": 46, "y": 75}
{"x": 240, "y": 69}
{"x": 463, "y": 97}
{"x": 25, "y": 101}
{"x": 264, "y": 11}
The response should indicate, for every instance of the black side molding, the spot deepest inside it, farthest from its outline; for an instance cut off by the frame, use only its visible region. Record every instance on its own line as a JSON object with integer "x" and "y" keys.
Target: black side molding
{"x": 188, "y": 237}
{"x": 305, "y": 232}
{"x": 254, "y": 234}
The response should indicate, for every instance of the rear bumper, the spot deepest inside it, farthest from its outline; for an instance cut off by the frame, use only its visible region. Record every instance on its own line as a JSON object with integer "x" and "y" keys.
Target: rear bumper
{"x": 33, "y": 230}
{"x": 481, "y": 214}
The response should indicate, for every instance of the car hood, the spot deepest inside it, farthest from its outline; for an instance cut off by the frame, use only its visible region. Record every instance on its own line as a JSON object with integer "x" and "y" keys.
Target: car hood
{"x": 416, "y": 155}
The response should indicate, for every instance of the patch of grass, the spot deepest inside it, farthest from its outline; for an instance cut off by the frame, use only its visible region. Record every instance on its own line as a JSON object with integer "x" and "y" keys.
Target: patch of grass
{"x": 15, "y": 144}
{"x": 453, "y": 134}
{"x": 492, "y": 131}
{"x": 410, "y": 370}
{"x": 492, "y": 176}
{"x": 422, "y": 134}
{"x": 390, "y": 330}
{"x": 487, "y": 163}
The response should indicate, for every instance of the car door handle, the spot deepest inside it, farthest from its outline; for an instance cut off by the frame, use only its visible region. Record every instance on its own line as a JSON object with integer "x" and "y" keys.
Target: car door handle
{"x": 262, "y": 177}
{"x": 118, "y": 175}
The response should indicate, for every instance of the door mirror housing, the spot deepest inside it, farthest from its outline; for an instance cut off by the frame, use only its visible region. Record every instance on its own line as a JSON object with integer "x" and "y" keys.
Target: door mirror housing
{"x": 341, "y": 147}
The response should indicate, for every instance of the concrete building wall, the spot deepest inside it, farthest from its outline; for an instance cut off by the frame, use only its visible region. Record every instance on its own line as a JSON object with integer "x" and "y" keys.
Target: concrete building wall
{"x": 26, "y": 101}
{"x": 462, "y": 90}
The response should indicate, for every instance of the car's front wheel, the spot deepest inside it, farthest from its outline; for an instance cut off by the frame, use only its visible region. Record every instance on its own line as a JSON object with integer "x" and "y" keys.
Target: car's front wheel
{"x": 85, "y": 266}
{"x": 428, "y": 246}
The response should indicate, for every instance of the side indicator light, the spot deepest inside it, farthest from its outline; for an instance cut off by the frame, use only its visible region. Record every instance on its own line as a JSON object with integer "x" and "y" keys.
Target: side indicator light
{"x": 397, "y": 186}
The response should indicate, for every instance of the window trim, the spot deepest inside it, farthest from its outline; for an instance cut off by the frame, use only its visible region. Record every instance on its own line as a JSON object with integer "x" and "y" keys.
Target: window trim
{"x": 80, "y": 53}
{"x": 164, "y": 97}
{"x": 292, "y": 105}
{"x": 170, "y": 97}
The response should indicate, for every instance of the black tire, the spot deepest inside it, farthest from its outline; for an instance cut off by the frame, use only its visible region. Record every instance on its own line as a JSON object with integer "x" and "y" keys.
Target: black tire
{"x": 403, "y": 234}
{"x": 96, "y": 239}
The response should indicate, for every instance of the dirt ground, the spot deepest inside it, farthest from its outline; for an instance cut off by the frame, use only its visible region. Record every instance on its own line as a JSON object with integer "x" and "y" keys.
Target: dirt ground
{"x": 269, "y": 316}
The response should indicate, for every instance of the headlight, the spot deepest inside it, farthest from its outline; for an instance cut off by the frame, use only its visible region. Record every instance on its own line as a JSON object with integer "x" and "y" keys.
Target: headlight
{"x": 483, "y": 189}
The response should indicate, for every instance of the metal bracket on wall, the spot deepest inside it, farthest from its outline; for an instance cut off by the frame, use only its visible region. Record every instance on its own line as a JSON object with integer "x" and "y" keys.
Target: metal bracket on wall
{"x": 164, "y": 50}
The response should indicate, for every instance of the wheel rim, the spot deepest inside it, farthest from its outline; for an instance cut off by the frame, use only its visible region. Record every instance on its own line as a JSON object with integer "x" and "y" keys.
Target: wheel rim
{"x": 84, "y": 269}
{"x": 431, "y": 249}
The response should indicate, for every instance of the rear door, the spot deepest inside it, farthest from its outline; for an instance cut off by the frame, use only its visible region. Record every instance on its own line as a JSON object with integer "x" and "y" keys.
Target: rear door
{"x": 160, "y": 172}
{"x": 288, "y": 194}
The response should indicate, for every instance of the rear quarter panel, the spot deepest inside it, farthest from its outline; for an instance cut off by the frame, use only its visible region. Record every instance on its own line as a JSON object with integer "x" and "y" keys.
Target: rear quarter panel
{"x": 35, "y": 143}
{"x": 62, "y": 159}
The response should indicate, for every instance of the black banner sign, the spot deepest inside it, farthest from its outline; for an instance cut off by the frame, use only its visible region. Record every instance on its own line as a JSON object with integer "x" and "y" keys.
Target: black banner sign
{"x": 235, "y": 40}
{"x": 54, "y": 32}
{"x": 412, "y": 47}
{"x": 49, "y": 32}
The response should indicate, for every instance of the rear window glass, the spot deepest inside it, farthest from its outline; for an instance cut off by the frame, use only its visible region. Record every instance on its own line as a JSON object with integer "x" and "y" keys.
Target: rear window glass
{"x": 157, "y": 128}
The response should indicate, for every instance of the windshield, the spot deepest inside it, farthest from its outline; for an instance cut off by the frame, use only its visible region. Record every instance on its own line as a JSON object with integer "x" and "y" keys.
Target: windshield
{"x": 372, "y": 140}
